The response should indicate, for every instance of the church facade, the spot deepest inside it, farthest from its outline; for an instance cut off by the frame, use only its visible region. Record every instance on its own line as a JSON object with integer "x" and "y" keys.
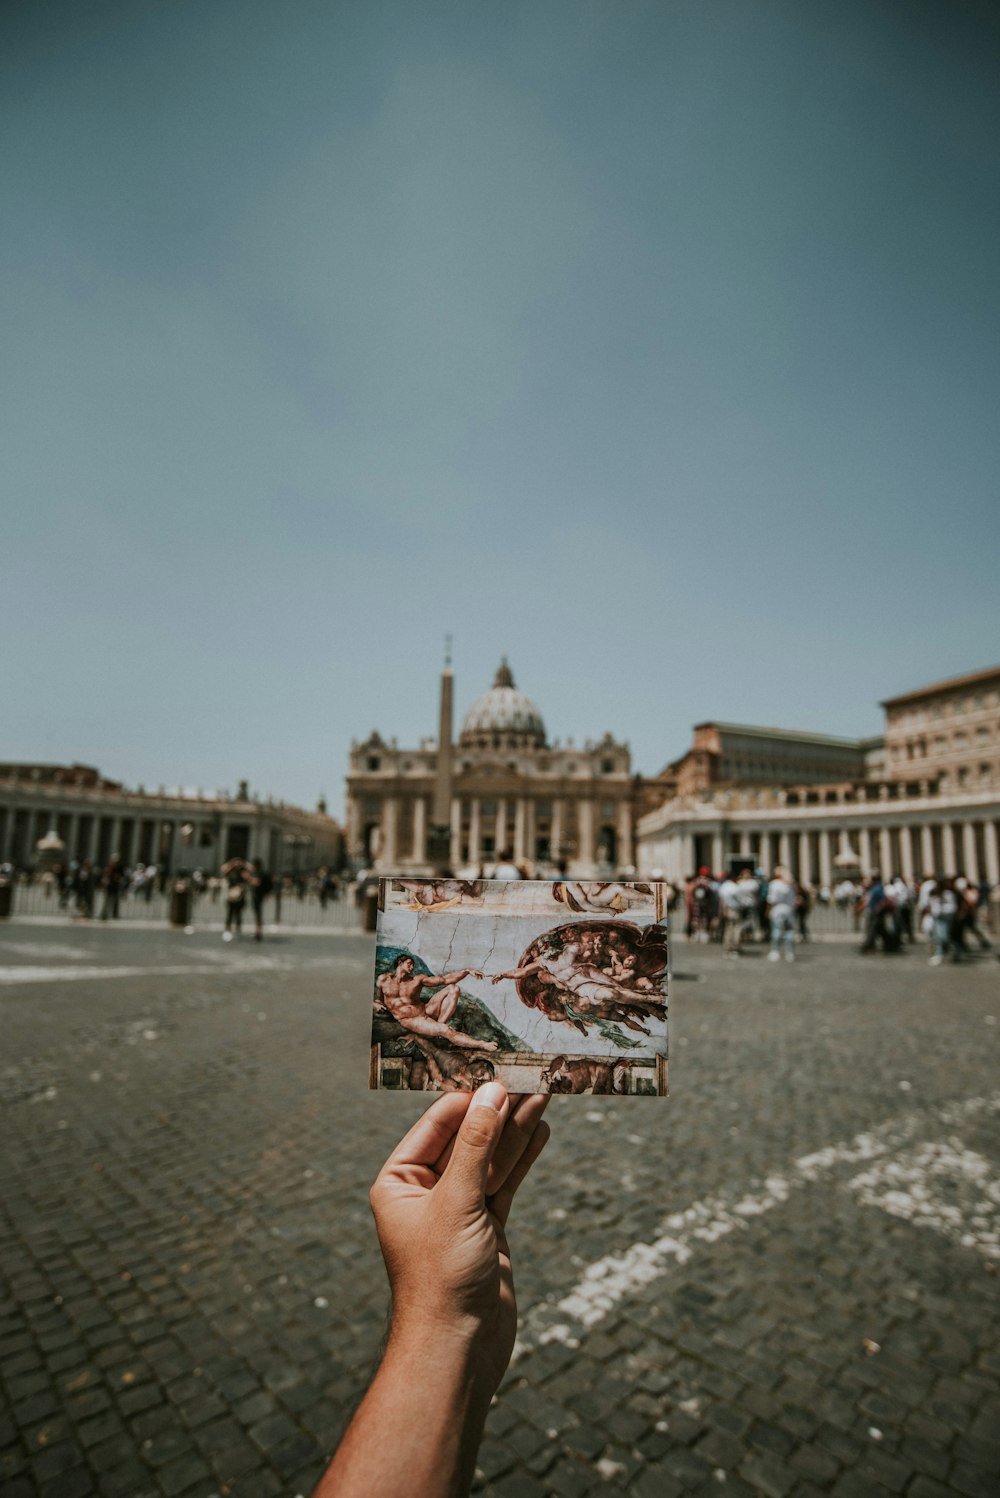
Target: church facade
{"x": 509, "y": 789}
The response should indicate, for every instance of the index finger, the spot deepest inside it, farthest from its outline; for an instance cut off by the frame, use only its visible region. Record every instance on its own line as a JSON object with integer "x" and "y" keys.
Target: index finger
{"x": 432, "y": 1133}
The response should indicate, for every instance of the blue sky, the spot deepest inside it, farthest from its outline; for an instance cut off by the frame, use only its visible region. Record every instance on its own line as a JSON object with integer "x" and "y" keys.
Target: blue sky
{"x": 653, "y": 345}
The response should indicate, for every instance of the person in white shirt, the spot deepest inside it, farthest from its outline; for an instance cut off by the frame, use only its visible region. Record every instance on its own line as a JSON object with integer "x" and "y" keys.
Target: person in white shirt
{"x": 731, "y": 910}
{"x": 781, "y": 908}
{"x": 506, "y": 867}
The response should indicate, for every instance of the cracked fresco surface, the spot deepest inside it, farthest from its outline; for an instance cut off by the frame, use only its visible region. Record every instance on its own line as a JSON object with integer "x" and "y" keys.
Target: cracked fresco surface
{"x": 547, "y": 986}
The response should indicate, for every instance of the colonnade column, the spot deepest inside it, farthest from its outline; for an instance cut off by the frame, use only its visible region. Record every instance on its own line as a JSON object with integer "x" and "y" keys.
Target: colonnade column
{"x": 948, "y": 850}
{"x": 766, "y": 858}
{"x": 687, "y": 854}
{"x": 927, "y": 850}
{"x": 420, "y": 830}
{"x": 825, "y": 859}
{"x": 745, "y": 845}
{"x": 906, "y": 853}
{"x": 970, "y": 855}
{"x": 885, "y": 853}
{"x": 785, "y": 849}
{"x": 865, "y": 849}
{"x": 475, "y": 831}
{"x": 530, "y": 833}
{"x": 992, "y": 852}
{"x": 805, "y": 859}
{"x": 718, "y": 853}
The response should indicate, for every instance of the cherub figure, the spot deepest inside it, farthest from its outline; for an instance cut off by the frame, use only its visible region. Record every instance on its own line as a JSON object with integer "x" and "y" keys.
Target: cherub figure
{"x": 400, "y": 990}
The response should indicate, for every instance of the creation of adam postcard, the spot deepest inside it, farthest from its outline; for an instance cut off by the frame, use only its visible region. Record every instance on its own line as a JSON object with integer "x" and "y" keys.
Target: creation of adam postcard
{"x": 546, "y": 986}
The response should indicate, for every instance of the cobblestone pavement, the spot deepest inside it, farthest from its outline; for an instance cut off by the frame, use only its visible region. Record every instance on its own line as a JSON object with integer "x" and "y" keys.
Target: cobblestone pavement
{"x": 781, "y": 1281}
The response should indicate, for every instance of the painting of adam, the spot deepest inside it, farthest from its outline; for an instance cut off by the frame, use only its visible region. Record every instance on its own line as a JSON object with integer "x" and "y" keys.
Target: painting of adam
{"x": 547, "y": 987}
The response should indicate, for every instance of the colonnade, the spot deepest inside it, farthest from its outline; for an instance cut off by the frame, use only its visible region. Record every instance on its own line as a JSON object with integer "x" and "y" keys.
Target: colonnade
{"x": 948, "y": 843}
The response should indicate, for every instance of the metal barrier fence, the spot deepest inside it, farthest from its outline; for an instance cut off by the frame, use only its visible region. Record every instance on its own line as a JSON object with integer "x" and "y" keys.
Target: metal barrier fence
{"x": 208, "y": 908}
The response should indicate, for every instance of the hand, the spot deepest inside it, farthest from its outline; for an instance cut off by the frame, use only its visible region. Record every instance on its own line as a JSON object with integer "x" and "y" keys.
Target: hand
{"x": 441, "y": 1203}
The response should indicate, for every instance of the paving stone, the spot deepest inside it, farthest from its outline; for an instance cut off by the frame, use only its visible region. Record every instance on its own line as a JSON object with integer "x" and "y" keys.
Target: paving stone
{"x": 746, "y": 1358}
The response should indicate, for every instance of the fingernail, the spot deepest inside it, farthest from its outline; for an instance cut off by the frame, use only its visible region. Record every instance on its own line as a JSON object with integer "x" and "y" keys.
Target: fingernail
{"x": 490, "y": 1096}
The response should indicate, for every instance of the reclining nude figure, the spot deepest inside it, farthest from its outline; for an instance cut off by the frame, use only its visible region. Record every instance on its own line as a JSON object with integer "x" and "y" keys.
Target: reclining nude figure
{"x": 399, "y": 989}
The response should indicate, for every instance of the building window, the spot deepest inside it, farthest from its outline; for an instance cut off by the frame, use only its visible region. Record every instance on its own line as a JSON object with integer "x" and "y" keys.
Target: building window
{"x": 373, "y": 762}
{"x": 371, "y": 807}
{"x": 543, "y": 808}
{"x": 489, "y": 808}
{"x": 607, "y": 767}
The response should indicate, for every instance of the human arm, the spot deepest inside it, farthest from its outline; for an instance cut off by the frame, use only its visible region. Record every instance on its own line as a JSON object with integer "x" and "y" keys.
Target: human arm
{"x": 441, "y": 1203}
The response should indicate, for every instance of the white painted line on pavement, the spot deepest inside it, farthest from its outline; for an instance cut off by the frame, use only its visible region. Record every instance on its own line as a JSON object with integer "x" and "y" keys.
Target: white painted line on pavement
{"x": 921, "y": 1186}
{"x": 612, "y": 1278}
{"x": 12, "y": 975}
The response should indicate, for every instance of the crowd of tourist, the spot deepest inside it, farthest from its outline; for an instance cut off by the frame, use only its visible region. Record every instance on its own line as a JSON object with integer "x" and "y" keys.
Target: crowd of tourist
{"x": 88, "y": 890}
{"x": 735, "y": 909}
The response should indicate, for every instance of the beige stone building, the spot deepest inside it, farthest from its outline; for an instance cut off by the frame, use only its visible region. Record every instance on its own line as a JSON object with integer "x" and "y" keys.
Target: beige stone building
{"x": 925, "y": 799}
{"x": 95, "y": 818}
{"x": 510, "y": 787}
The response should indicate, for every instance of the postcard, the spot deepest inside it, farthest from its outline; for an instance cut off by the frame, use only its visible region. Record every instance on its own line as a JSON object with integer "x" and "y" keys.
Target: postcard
{"x": 547, "y": 986}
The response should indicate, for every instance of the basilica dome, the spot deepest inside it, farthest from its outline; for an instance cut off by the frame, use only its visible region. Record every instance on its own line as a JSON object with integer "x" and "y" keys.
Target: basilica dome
{"x": 502, "y": 717}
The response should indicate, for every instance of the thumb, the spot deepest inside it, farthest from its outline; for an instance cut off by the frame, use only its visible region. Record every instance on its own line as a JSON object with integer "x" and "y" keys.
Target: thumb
{"x": 475, "y": 1143}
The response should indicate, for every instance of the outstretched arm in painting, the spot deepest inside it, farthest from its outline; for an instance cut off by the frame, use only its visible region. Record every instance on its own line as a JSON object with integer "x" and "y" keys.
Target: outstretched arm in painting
{"x": 441, "y": 1203}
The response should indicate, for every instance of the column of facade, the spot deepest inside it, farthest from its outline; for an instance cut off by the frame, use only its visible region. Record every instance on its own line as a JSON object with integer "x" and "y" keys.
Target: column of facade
{"x": 718, "y": 853}
{"x": 885, "y": 853}
{"x": 475, "y": 832}
{"x": 420, "y": 830}
{"x": 585, "y": 823}
{"x": 530, "y": 838}
{"x": 455, "y": 845}
{"x": 785, "y": 849}
{"x": 389, "y": 824}
{"x": 825, "y": 858}
{"x": 766, "y": 852}
{"x": 626, "y": 857}
{"x": 354, "y": 847}
{"x": 805, "y": 859}
{"x": 501, "y": 826}
{"x": 745, "y": 845}
{"x": 865, "y": 849}
{"x": 556, "y": 830}
{"x": 992, "y": 852}
{"x": 948, "y": 850}
{"x": 687, "y": 854}
{"x": 519, "y": 819}
{"x": 969, "y": 853}
{"x": 906, "y": 853}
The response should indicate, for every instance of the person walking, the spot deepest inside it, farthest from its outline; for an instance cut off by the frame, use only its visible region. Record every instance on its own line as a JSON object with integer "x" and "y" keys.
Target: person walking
{"x": 942, "y": 905}
{"x": 261, "y": 884}
{"x": 234, "y": 873}
{"x": 111, "y": 883}
{"x": 781, "y": 908}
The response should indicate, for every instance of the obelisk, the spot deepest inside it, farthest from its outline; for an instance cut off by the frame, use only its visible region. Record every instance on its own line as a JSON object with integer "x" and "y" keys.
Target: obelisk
{"x": 439, "y": 836}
